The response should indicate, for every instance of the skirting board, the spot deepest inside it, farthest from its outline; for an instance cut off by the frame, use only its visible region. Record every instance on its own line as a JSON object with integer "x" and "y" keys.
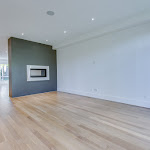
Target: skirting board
{"x": 135, "y": 102}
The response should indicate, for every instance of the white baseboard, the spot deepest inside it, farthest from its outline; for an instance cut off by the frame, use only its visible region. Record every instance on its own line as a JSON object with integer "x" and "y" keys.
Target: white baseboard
{"x": 135, "y": 102}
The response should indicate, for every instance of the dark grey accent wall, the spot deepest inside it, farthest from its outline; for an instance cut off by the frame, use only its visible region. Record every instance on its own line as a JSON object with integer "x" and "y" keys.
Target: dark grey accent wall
{"x": 22, "y": 53}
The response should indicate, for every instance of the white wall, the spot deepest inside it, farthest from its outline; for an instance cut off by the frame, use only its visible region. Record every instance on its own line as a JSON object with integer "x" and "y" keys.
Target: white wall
{"x": 3, "y": 61}
{"x": 114, "y": 67}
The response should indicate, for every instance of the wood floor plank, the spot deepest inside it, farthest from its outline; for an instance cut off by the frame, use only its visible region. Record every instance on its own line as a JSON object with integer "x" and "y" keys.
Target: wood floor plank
{"x": 61, "y": 121}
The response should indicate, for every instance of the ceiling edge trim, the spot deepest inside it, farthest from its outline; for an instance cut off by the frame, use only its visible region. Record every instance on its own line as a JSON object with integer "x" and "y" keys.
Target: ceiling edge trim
{"x": 133, "y": 22}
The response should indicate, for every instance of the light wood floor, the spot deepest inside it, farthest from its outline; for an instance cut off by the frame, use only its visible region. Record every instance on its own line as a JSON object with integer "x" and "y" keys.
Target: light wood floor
{"x": 60, "y": 121}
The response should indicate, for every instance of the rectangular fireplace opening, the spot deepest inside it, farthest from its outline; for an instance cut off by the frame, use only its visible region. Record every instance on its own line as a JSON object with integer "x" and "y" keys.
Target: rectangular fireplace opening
{"x": 37, "y": 73}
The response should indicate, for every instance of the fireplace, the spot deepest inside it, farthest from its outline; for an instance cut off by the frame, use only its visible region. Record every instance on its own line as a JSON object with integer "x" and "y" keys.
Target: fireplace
{"x": 34, "y": 73}
{"x": 37, "y": 73}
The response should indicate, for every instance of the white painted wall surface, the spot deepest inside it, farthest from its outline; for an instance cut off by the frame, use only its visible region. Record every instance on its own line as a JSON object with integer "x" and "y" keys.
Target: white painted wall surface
{"x": 3, "y": 61}
{"x": 114, "y": 67}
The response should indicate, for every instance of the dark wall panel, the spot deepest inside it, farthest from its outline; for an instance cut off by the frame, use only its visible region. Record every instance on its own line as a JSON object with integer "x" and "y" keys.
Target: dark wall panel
{"x": 23, "y": 53}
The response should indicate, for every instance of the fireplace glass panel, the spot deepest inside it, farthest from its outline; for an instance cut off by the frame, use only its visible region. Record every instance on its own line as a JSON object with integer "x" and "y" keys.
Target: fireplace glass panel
{"x": 37, "y": 73}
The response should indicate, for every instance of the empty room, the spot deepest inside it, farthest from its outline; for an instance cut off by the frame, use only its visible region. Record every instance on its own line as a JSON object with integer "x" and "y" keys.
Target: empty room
{"x": 74, "y": 75}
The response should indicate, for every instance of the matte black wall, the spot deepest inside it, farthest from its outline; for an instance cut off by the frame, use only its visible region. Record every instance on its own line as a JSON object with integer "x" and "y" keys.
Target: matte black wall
{"x": 23, "y": 53}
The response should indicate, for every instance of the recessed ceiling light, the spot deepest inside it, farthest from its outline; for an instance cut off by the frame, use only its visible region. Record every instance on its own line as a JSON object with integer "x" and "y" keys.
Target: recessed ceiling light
{"x": 22, "y": 33}
{"x": 65, "y": 31}
{"x": 50, "y": 13}
{"x": 93, "y": 19}
{"x": 46, "y": 40}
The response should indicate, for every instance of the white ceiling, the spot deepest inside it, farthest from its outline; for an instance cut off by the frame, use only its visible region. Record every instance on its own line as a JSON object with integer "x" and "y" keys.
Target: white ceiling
{"x": 74, "y": 16}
